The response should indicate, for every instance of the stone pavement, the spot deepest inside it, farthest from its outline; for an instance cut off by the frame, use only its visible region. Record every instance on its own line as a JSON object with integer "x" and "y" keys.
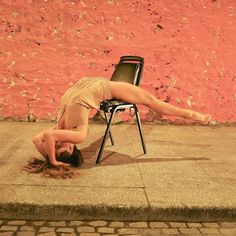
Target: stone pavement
{"x": 113, "y": 228}
{"x": 188, "y": 175}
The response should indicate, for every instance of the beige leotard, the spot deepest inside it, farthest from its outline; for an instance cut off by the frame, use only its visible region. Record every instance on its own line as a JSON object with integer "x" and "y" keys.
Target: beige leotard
{"x": 88, "y": 92}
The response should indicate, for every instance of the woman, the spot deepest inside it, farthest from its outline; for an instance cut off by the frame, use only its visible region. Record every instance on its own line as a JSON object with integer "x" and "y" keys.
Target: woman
{"x": 57, "y": 144}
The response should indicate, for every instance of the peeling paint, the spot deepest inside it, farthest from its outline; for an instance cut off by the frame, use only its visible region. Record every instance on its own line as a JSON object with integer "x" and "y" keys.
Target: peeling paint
{"x": 11, "y": 64}
{"x": 190, "y": 101}
{"x": 12, "y": 84}
{"x": 23, "y": 93}
{"x": 178, "y": 100}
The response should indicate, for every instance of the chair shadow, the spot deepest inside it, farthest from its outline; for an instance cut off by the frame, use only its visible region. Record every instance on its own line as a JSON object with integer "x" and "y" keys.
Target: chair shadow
{"x": 115, "y": 158}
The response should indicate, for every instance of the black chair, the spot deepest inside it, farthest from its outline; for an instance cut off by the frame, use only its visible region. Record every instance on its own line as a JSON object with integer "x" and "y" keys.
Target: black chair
{"x": 129, "y": 70}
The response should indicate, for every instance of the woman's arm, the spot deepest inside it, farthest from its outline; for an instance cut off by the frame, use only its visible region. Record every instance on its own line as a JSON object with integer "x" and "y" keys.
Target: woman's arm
{"x": 38, "y": 141}
{"x": 50, "y": 138}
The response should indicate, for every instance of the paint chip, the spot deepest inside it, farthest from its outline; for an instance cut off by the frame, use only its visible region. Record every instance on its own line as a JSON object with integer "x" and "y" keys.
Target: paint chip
{"x": 109, "y": 37}
{"x": 15, "y": 13}
{"x": 178, "y": 100}
{"x": 12, "y": 84}
{"x": 110, "y": 1}
{"x": 190, "y": 101}
{"x": 207, "y": 62}
{"x": 11, "y": 64}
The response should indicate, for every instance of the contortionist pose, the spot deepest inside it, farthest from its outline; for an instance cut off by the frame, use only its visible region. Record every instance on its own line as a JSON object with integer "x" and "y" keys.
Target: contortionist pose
{"x": 58, "y": 143}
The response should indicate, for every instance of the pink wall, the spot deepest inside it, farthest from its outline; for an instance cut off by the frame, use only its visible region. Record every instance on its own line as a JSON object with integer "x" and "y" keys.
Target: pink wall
{"x": 188, "y": 46}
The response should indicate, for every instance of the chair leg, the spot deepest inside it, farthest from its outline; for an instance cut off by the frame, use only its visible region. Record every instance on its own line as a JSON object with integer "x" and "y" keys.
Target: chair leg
{"x": 104, "y": 137}
{"x": 140, "y": 129}
{"x": 111, "y": 138}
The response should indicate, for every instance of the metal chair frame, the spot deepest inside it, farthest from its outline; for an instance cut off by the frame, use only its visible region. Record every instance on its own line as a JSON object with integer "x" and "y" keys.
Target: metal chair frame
{"x": 112, "y": 106}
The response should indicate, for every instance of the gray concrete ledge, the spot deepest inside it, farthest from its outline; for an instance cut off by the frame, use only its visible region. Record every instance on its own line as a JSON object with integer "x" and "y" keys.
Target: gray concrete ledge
{"x": 114, "y": 213}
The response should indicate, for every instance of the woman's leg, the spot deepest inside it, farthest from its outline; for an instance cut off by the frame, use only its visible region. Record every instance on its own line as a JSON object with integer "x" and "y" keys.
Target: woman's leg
{"x": 137, "y": 95}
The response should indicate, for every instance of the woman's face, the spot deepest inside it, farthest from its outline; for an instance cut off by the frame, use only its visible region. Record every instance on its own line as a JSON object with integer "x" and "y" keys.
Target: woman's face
{"x": 64, "y": 147}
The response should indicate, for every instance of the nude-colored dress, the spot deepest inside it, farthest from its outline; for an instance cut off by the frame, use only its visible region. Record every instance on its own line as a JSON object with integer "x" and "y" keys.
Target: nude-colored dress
{"x": 88, "y": 92}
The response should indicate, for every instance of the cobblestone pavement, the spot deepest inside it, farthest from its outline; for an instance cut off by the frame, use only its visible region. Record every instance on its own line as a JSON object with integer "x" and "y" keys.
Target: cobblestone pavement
{"x": 111, "y": 228}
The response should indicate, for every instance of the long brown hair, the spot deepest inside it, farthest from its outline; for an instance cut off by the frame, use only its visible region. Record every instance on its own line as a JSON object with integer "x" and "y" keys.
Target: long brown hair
{"x": 36, "y": 165}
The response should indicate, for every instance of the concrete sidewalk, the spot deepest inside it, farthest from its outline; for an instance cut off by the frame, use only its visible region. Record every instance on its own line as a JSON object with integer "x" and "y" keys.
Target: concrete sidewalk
{"x": 189, "y": 174}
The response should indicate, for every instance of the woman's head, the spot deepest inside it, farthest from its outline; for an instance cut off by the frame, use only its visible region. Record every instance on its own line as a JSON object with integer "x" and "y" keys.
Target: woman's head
{"x": 69, "y": 153}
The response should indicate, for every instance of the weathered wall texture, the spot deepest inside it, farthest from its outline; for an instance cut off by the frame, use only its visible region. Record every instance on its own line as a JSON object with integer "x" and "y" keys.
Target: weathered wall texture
{"x": 188, "y": 46}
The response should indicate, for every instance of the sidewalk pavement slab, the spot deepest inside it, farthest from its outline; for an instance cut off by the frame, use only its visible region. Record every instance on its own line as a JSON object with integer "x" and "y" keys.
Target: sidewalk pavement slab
{"x": 188, "y": 174}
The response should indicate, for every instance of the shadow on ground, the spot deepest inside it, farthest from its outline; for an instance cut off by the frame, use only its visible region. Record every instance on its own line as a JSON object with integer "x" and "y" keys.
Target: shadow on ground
{"x": 110, "y": 158}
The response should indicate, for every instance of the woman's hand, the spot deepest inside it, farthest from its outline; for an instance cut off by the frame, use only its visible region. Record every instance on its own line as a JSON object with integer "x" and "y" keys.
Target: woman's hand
{"x": 38, "y": 141}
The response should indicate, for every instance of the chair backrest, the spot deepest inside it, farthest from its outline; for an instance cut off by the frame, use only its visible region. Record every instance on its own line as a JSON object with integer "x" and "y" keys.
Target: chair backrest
{"x": 129, "y": 70}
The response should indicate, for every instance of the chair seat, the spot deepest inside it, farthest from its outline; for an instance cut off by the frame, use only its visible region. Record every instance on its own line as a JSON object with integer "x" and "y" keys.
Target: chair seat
{"x": 111, "y": 104}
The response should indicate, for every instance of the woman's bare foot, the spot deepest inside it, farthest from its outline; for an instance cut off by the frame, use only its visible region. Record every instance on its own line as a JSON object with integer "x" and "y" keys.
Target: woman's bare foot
{"x": 203, "y": 119}
{"x": 207, "y": 120}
